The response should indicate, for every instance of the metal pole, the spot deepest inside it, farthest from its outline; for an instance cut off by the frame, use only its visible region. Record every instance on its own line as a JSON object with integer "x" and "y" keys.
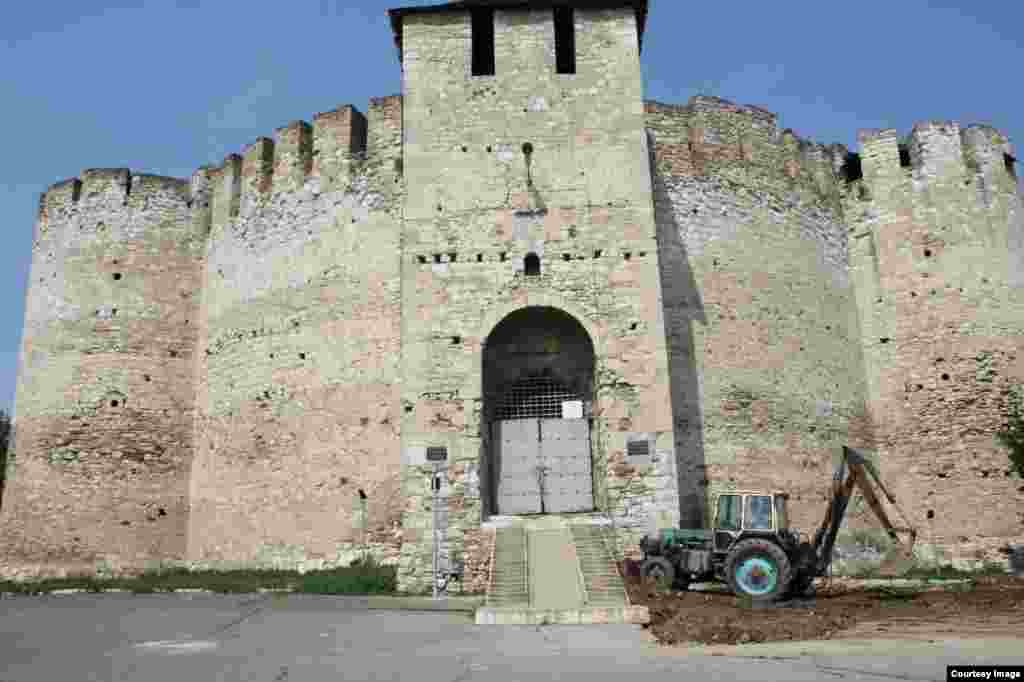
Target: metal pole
{"x": 434, "y": 483}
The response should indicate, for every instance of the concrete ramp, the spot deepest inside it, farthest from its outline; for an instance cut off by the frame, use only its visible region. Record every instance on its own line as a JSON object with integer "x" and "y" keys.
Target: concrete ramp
{"x": 548, "y": 570}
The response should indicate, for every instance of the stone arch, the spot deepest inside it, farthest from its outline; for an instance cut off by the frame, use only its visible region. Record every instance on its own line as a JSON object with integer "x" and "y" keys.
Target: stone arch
{"x": 538, "y": 386}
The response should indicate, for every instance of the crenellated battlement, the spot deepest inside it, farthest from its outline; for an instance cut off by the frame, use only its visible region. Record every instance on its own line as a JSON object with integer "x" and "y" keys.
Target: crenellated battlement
{"x": 710, "y": 135}
{"x": 103, "y": 189}
{"x": 936, "y": 155}
{"x": 332, "y": 151}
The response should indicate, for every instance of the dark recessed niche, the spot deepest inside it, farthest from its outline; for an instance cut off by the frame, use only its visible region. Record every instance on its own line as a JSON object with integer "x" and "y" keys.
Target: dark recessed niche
{"x": 627, "y": 255}
{"x": 531, "y": 265}
{"x": 114, "y": 403}
{"x": 904, "y": 156}
{"x": 920, "y": 387}
{"x": 852, "y": 168}
{"x": 642, "y": 254}
{"x": 913, "y": 294}
{"x": 146, "y": 377}
{"x": 482, "y": 37}
{"x": 566, "y": 257}
{"x": 117, "y": 275}
{"x": 597, "y": 254}
{"x": 479, "y": 258}
{"x": 113, "y": 313}
{"x": 173, "y": 353}
{"x": 161, "y": 512}
{"x": 633, "y": 327}
{"x": 456, "y": 340}
{"x": 945, "y": 377}
{"x": 927, "y": 253}
{"x": 884, "y": 339}
{"x": 408, "y": 409}
{"x": 528, "y": 148}
{"x": 437, "y": 258}
{"x": 488, "y": 149}
{"x": 115, "y": 261}
{"x": 465, "y": 148}
{"x": 422, "y": 260}
{"x": 504, "y": 256}
{"x": 565, "y": 40}
{"x": 931, "y": 514}
{"x": 302, "y": 356}
{"x": 452, "y": 257}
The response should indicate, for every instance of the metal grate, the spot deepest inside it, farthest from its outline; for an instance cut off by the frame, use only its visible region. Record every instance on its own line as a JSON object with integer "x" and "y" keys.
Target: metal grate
{"x": 535, "y": 398}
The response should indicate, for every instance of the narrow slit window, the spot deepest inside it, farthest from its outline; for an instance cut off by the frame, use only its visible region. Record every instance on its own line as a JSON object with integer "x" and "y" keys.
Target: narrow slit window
{"x": 532, "y": 265}
{"x": 565, "y": 40}
{"x": 1011, "y": 167}
{"x": 483, "y": 42}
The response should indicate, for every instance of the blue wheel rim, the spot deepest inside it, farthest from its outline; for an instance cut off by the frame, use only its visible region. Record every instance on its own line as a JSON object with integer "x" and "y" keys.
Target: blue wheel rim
{"x": 756, "y": 576}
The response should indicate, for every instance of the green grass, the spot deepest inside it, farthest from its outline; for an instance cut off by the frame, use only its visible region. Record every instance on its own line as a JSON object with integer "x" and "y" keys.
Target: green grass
{"x": 361, "y": 577}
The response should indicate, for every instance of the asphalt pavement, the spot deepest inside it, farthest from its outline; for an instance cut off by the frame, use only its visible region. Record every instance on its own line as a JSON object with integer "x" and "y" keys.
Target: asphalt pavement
{"x": 299, "y": 638}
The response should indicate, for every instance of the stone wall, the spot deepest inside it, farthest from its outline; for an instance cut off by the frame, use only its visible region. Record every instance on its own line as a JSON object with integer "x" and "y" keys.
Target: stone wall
{"x": 763, "y": 332}
{"x": 938, "y": 256}
{"x": 298, "y": 398}
{"x": 104, "y": 401}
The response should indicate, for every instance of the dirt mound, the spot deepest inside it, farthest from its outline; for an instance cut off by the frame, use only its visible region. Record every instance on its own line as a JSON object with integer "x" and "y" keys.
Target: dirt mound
{"x": 838, "y": 610}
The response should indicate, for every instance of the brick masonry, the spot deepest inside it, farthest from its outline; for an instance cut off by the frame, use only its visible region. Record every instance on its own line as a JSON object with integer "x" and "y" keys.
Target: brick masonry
{"x": 212, "y": 369}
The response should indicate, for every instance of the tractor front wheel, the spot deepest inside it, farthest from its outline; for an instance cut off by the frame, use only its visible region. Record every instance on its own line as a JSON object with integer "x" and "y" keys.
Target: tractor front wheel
{"x": 758, "y": 569}
{"x": 659, "y": 568}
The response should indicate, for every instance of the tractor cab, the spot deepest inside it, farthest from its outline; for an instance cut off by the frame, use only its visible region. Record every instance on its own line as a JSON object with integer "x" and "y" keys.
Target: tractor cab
{"x": 743, "y": 513}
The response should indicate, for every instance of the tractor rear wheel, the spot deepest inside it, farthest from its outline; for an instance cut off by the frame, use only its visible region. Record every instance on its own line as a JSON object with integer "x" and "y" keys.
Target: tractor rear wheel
{"x": 659, "y": 568}
{"x": 758, "y": 569}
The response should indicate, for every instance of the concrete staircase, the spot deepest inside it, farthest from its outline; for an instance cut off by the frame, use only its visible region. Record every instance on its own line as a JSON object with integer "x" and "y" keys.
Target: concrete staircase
{"x": 550, "y": 570}
{"x": 601, "y": 578}
{"x": 509, "y": 580}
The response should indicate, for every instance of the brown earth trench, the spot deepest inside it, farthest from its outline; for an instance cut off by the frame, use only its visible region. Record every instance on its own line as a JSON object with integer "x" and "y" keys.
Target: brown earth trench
{"x": 991, "y": 606}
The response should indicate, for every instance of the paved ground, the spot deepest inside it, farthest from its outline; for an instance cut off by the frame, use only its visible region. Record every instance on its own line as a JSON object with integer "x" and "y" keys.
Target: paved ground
{"x": 299, "y": 638}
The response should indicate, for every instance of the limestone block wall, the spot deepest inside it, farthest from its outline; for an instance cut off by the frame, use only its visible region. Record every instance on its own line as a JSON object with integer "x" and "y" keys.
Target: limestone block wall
{"x": 937, "y": 251}
{"x": 297, "y": 378}
{"x": 760, "y": 313}
{"x": 477, "y": 205}
{"x": 104, "y": 400}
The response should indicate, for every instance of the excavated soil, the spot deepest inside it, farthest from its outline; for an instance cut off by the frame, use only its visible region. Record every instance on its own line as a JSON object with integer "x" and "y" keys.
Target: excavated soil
{"x": 840, "y": 609}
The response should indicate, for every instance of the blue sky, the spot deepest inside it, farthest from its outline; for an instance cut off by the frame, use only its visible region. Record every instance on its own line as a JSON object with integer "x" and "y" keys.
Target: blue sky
{"x": 168, "y": 85}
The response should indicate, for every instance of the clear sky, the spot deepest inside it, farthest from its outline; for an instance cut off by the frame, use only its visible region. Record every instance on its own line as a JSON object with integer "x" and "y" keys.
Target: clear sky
{"x": 164, "y": 86}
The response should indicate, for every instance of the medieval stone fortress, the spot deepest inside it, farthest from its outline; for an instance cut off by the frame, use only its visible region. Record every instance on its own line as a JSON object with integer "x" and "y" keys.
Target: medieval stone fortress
{"x": 600, "y": 307}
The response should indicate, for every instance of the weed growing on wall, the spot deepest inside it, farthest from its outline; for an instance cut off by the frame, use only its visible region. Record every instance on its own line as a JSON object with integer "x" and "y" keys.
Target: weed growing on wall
{"x": 1012, "y": 434}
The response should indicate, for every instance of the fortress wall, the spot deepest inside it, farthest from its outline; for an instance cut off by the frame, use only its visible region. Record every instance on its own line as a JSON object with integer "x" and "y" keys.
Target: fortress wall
{"x": 938, "y": 254}
{"x": 470, "y": 220}
{"x": 104, "y": 397}
{"x": 297, "y": 378}
{"x": 759, "y": 312}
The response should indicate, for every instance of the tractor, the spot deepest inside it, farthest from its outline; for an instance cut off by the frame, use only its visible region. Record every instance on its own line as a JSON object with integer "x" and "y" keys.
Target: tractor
{"x": 751, "y": 546}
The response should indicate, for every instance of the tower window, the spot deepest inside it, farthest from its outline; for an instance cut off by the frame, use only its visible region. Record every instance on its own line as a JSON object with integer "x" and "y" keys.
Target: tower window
{"x": 1010, "y": 165}
{"x": 531, "y": 265}
{"x": 483, "y": 42}
{"x": 565, "y": 40}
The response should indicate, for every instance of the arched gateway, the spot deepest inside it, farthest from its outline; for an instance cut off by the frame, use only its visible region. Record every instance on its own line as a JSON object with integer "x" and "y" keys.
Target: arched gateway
{"x": 538, "y": 388}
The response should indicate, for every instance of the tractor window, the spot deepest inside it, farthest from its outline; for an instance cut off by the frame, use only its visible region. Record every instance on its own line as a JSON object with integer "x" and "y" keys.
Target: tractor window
{"x": 728, "y": 512}
{"x": 781, "y": 517}
{"x": 759, "y": 512}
